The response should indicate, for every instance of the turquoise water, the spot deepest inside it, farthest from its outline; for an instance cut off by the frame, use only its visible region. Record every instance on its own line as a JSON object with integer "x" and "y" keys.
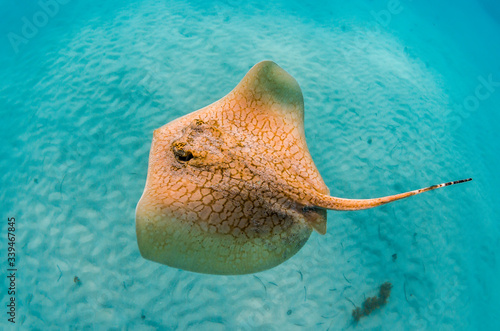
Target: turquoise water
{"x": 398, "y": 96}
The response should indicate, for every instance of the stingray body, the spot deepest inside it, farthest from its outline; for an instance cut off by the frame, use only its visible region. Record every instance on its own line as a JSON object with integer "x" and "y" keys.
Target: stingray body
{"x": 232, "y": 188}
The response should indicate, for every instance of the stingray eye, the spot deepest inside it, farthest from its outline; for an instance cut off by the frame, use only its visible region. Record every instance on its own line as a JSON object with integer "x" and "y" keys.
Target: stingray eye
{"x": 181, "y": 155}
{"x": 184, "y": 158}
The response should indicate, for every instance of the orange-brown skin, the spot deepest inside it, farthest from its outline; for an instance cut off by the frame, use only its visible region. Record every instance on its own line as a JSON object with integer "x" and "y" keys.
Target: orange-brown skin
{"x": 232, "y": 188}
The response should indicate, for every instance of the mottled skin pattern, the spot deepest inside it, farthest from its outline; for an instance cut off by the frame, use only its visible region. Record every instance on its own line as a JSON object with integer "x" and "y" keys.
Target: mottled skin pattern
{"x": 232, "y": 188}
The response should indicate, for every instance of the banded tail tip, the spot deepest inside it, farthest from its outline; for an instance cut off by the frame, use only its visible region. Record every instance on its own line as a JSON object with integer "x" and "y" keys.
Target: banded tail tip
{"x": 449, "y": 183}
{"x": 459, "y": 181}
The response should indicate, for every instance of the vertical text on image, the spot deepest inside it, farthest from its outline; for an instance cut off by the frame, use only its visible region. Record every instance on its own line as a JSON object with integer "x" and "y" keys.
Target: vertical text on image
{"x": 11, "y": 269}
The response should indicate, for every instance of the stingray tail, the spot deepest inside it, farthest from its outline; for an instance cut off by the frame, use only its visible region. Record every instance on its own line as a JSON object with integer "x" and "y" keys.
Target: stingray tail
{"x": 327, "y": 202}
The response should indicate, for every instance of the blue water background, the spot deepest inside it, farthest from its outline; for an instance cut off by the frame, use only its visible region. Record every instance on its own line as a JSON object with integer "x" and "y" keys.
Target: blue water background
{"x": 395, "y": 100}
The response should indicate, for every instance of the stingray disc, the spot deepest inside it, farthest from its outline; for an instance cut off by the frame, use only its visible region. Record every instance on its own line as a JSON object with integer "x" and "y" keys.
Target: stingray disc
{"x": 223, "y": 189}
{"x": 232, "y": 188}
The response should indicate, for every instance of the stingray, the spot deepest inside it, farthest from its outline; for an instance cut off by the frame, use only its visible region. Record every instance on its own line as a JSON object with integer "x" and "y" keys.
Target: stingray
{"x": 232, "y": 188}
